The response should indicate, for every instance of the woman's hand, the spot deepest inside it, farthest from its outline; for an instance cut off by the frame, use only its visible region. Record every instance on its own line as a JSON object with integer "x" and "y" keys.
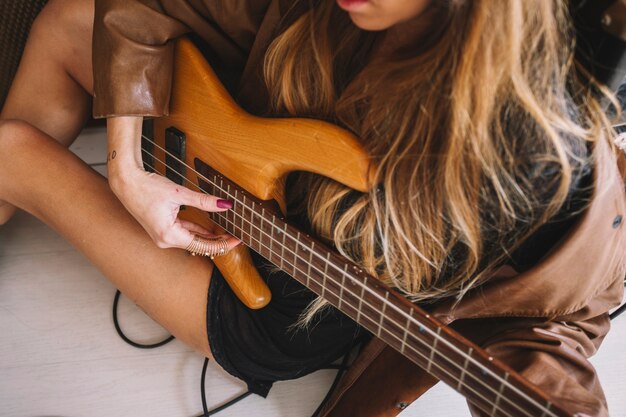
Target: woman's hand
{"x": 153, "y": 200}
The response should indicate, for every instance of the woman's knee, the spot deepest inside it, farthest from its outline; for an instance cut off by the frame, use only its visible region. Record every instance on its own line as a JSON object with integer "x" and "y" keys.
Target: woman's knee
{"x": 65, "y": 18}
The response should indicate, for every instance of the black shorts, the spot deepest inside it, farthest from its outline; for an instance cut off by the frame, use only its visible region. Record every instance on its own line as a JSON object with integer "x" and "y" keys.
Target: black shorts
{"x": 263, "y": 346}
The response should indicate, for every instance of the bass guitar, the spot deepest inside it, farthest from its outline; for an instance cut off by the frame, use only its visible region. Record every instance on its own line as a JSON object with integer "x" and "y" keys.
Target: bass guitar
{"x": 209, "y": 144}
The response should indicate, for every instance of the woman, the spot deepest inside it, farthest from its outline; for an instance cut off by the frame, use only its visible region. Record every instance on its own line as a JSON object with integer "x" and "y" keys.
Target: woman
{"x": 483, "y": 138}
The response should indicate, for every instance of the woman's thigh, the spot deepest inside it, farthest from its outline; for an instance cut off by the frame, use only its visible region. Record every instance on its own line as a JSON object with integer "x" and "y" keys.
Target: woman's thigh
{"x": 41, "y": 176}
{"x": 53, "y": 86}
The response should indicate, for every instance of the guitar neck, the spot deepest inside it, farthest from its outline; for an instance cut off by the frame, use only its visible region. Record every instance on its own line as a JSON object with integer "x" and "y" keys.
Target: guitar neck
{"x": 485, "y": 382}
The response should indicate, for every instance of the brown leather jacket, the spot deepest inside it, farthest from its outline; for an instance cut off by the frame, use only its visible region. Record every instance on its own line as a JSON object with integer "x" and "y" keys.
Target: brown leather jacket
{"x": 544, "y": 323}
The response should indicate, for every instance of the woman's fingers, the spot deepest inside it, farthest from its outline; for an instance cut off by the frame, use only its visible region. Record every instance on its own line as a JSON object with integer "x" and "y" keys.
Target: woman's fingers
{"x": 155, "y": 202}
{"x": 201, "y": 231}
{"x": 194, "y": 228}
{"x": 205, "y": 202}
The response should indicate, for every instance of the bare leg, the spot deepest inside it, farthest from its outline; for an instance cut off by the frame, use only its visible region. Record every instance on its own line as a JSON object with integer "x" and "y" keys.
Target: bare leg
{"x": 52, "y": 88}
{"x": 45, "y": 110}
{"x": 42, "y": 177}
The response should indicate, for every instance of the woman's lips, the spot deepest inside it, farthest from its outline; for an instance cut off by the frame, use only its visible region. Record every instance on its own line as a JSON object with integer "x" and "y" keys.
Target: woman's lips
{"x": 351, "y": 5}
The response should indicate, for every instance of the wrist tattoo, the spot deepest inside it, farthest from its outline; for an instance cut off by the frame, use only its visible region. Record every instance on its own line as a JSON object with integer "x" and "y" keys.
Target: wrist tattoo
{"x": 111, "y": 156}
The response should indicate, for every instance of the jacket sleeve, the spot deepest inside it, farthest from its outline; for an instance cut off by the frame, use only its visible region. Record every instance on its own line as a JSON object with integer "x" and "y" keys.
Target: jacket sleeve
{"x": 553, "y": 356}
{"x": 133, "y": 47}
{"x": 132, "y": 57}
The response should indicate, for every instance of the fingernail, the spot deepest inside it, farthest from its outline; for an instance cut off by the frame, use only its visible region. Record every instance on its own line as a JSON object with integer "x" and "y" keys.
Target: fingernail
{"x": 224, "y": 204}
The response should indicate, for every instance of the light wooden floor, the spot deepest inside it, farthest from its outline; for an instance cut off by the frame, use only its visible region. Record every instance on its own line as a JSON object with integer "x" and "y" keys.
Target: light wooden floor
{"x": 61, "y": 355}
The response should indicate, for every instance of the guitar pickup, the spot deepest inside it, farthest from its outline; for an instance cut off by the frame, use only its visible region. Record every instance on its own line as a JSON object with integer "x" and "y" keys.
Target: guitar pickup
{"x": 147, "y": 144}
{"x": 175, "y": 156}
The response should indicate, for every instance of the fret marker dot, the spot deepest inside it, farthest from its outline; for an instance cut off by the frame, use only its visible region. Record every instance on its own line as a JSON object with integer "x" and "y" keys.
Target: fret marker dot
{"x": 490, "y": 358}
{"x": 421, "y": 329}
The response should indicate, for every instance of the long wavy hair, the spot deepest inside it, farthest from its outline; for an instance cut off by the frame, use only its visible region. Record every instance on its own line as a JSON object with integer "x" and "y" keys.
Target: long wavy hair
{"x": 478, "y": 129}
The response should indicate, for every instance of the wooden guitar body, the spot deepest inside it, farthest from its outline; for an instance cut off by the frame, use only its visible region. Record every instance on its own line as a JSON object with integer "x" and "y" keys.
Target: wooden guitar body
{"x": 256, "y": 153}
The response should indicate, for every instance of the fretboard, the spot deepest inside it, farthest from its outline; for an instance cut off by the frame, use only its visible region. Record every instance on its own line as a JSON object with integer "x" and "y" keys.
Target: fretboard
{"x": 484, "y": 381}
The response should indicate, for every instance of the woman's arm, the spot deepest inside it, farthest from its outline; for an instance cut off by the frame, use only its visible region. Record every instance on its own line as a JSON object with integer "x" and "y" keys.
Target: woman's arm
{"x": 133, "y": 63}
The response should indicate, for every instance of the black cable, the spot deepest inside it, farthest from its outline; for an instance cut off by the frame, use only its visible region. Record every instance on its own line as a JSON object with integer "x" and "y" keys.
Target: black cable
{"x": 202, "y": 392}
{"x": 341, "y": 368}
{"x": 617, "y": 312}
{"x": 124, "y": 337}
{"x": 222, "y": 407}
{"x": 620, "y": 309}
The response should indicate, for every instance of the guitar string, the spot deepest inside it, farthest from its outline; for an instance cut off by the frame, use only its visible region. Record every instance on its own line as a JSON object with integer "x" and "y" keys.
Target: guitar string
{"x": 413, "y": 319}
{"x": 410, "y": 318}
{"x": 420, "y": 354}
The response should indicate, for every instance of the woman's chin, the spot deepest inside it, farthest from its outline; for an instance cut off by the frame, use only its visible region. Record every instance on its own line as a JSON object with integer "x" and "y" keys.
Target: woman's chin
{"x": 369, "y": 23}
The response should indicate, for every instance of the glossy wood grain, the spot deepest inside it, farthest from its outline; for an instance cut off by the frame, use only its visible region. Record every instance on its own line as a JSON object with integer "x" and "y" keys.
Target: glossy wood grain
{"x": 256, "y": 153}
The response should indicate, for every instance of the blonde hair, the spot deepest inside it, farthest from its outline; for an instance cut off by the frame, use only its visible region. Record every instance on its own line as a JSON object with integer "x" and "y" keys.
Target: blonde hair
{"x": 477, "y": 130}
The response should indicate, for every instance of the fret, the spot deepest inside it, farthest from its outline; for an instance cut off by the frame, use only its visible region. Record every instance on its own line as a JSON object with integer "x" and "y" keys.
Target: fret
{"x": 433, "y": 349}
{"x": 464, "y": 370}
{"x": 282, "y": 249}
{"x": 308, "y": 271}
{"x": 547, "y": 409}
{"x": 382, "y": 314}
{"x": 325, "y": 274}
{"x": 484, "y": 404}
{"x": 295, "y": 253}
{"x": 499, "y": 394}
{"x": 317, "y": 275}
{"x": 488, "y": 383}
{"x": 343, "y": 282}
{"x": 301, "y": 260}
{"x": 243, "y": 207}
{"x": 514, "y": 401}
{"x": 232, "y": 219}
{"x": 263, "y": 237}
{"x": 480, "y": 371}
{"x": 359, "y": 309}
{"x": 315, "y": 272}
{"x": 406, "y": 331}
{"x": 419, "y": 342}
{"x": 348, "y": 294}
{"x": 392, "y": 324}
{"x": 273, "y": 227}
{"x": 250, "y": 219}
{"x": 243, "y": 217}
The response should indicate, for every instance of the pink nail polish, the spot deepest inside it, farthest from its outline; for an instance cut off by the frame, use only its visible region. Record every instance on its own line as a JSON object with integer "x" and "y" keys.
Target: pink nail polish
{"x": 224, "y": 204}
